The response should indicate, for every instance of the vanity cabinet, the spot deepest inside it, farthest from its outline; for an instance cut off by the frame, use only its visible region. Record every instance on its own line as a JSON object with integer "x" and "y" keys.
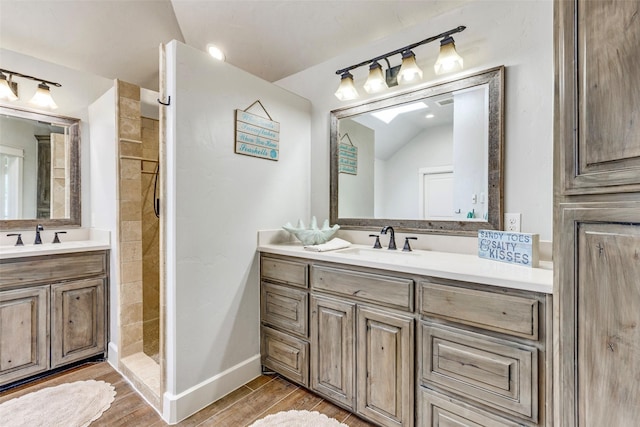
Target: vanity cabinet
{"x": 402, "y": 349}
{"x": 52, "y": 312}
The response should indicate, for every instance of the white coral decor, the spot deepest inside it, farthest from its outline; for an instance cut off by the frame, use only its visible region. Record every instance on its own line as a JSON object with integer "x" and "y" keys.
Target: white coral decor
{"x": 312, "y": 235}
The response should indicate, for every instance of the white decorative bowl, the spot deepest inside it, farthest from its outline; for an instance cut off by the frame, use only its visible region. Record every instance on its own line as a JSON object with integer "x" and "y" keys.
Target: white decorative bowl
{"x": 312, "y": 235}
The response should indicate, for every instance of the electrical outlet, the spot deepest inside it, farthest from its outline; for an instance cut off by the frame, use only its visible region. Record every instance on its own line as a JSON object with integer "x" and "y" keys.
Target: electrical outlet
{"x": 512, "y": 222}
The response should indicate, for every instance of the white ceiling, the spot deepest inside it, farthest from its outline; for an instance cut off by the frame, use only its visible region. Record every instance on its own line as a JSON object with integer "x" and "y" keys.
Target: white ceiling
{"x": 268, "y": 38}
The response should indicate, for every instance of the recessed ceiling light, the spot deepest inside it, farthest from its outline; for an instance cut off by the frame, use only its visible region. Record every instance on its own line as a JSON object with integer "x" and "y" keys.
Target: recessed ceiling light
{"x": 215, "y": 52}
{"x": 430, "y": 116}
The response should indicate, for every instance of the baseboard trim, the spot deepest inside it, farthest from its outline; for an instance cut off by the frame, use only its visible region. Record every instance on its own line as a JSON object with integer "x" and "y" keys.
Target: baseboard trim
{"x": 177, "y": 407}
{"x": 112, "y": 356}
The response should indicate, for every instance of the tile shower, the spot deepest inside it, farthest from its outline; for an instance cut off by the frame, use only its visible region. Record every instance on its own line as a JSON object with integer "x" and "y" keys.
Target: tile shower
{"x": 139, "y": 281}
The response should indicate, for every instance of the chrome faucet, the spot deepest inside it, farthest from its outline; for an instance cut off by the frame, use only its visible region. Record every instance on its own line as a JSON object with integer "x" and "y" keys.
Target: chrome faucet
{"x": 392, "y": 239}
{"x": 39, "y": 228}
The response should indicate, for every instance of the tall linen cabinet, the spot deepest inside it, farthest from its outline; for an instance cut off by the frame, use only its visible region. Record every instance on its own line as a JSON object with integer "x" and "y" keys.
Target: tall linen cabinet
{"x": 597, "y": 213}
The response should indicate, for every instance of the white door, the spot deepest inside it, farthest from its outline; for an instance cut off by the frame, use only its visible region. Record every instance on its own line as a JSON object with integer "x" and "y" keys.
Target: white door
{"x": 436, "y": 198}
{"x": 11, "y": 182}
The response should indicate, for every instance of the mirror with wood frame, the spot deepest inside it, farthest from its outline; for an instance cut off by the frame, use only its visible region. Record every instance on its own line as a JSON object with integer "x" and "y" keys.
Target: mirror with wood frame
{"x": 427, "y": 161}
{"x": 39, "y": 169}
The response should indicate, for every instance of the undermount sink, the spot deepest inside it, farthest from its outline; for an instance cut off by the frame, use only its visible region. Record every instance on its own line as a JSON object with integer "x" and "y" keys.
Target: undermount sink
{"x": 380, "y": 254}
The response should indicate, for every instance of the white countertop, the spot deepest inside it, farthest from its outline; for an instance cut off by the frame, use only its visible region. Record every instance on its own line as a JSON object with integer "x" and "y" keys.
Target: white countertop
{"x": 463, "y": 267}
{"x": 79, "y": 240}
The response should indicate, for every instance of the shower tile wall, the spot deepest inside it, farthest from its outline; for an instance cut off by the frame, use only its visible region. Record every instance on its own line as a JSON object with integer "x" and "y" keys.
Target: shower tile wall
{"x": 150, "y": 241}
{"x": 130, "y": 218}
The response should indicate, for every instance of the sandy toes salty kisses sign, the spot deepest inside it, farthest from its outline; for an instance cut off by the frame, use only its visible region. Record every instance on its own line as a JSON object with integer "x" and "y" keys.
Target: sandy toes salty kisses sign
{"x": 514, "y": 248}
{"x": 257, "y": 136}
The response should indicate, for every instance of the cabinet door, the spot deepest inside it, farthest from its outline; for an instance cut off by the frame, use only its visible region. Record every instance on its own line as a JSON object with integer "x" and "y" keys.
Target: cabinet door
{"x": 78, "y": 320}
{"x": 333, "y": 349}
{"x": 608, "y": 305}
{"x": 598, "y": 376}
{"x": 597, "y": 122}
{"x": 24, "y": 333}
{"x": 385, "y": 367}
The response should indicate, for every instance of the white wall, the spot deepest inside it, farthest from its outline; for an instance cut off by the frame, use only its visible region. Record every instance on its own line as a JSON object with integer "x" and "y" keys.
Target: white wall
{"x": 430, "y": 148}
{"x": 216, "y": 201}
{"x": 103, "y": 154}
{"x": 517, "y": 34}
{"x": 79, "y": 89}
{"x": 470, "y": 148}
{"x": 356, "y": 191}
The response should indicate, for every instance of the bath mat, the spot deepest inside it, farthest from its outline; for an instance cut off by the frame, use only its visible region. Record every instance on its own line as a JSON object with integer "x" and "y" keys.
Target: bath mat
{"x": 74, "y": 404}
{"x": 298, "y": 419}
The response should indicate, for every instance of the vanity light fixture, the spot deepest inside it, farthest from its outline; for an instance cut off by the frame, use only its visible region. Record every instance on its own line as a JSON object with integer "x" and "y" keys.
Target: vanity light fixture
{"x": 406, "y": 73}
{"x": 42, "y": 97}
{"x": 8, "y": 88}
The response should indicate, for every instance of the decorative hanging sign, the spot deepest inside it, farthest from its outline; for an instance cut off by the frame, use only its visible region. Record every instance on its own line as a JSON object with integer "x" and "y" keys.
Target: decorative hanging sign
{"x": 514, "y": 248}
{"x": 347, "y": 156}
{"x": 257, "y": 136}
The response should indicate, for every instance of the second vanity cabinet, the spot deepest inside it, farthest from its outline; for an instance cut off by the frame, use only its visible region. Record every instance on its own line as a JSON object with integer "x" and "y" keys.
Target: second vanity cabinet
{"x": 401, "y": 349}
{"x": 52, "y": 312}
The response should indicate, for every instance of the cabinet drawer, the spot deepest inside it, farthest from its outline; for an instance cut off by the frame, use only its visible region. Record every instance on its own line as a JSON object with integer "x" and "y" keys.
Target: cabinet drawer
{"x": 29, "y": 270}
{"x": 437, "y": 410}
{"x": 488, "y": 310}
{"x": 285, "y": 308}
{"x": 285, "y": 354}
{"x": 494, "y": 372}
{"x": 391, "y": 291}
{"x": 289, "y": 272}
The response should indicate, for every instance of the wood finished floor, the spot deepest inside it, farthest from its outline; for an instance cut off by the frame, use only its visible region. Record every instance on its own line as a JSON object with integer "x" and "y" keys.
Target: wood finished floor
{"x": 263, "y": 396}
